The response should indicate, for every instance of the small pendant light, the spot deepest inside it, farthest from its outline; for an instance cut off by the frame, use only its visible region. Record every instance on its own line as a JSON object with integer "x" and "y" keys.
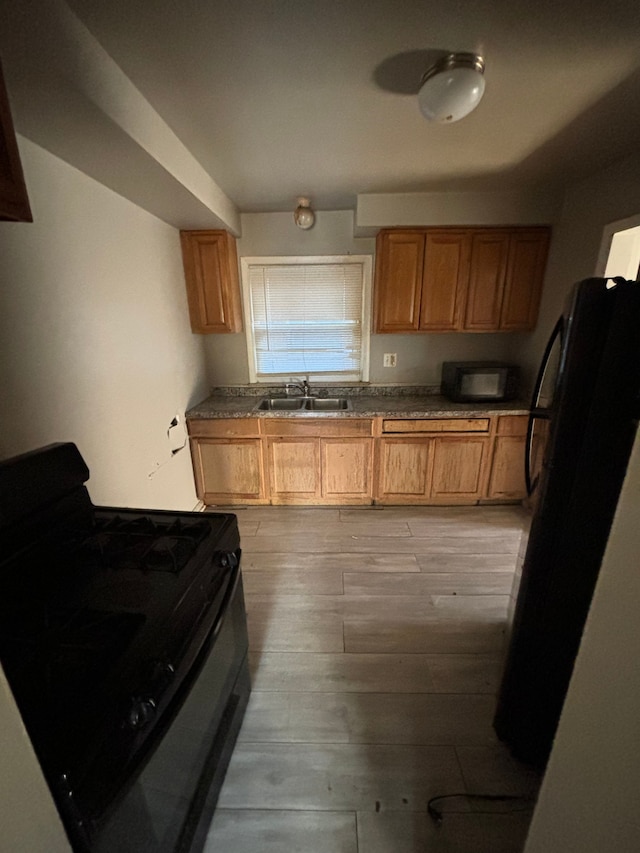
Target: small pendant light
{"x": 303, "y": 216}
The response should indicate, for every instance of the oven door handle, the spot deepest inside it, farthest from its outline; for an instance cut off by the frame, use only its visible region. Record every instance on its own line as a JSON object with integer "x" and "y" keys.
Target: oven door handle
{"x": 229, "y": 594}
{"x": 172, "y": 682}
{"x": 191, "y": 664}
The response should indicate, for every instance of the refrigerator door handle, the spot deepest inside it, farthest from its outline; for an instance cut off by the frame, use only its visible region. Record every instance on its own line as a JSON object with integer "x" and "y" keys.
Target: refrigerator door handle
{"x": 535, "y": 414}
{"x": 536, "y": 411}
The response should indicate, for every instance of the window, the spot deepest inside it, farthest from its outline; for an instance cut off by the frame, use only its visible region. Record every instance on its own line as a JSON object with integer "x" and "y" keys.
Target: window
{"x": 307, "y": 316}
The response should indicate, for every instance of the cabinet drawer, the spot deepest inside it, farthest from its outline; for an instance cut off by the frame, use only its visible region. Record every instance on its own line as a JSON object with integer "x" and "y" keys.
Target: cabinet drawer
{"x": 436, "y": 425}
{"x": 317, "y": 427}
{"x": 512, "y": 425}
{"x": 223, "y": 427}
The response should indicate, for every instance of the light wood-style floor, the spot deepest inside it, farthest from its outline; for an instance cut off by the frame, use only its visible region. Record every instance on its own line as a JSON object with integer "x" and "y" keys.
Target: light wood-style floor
{"x": 376, "y": 637}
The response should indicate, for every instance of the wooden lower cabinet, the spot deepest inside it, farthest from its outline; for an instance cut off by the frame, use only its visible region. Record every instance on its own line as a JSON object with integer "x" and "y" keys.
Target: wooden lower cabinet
{"x": 506, "y": 481}
{"x": 294, "y": 469}
{"x": 431, "y": 470}
{"x": 404, "y": 470}
{"x": 229, "y": 470}
{"x": 346, "y": 466}
{"x": 458, "y": 469}
{"x": 228, "y": 461}
{"x": 320, "y": 470}
{"x": 319, "y": 461}
{"x": 332, "y": 462}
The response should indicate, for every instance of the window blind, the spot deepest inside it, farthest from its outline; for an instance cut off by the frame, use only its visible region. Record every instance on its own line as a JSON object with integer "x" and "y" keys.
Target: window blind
{"x": 307, "y": 318}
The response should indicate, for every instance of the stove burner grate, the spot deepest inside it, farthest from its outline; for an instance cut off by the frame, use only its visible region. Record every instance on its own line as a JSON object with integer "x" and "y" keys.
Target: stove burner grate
{"x": 143, "y": 543}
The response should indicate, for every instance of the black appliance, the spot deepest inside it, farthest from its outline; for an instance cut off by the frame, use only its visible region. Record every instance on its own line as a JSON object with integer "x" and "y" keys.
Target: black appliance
{"x": 479, "y": 381}
{"x": 123, "y": 638}
{"x": 582, "y": 426}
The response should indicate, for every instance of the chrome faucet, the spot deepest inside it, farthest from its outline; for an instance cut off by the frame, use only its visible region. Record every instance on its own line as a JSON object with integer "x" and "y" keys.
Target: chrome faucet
{"x": 302, "y": 386}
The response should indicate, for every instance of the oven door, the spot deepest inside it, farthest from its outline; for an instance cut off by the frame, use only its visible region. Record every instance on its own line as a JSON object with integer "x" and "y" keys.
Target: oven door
{"x": 169, "y": 807}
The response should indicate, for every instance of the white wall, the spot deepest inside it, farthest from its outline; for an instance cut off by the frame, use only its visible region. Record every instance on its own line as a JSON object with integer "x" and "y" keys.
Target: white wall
{"x": 610, "y": 195}
{"x": 419, "y": 356}
{"x": 534, "y": 206}
{"x": 95, "y": 343}
{"x": 29, "y": 820}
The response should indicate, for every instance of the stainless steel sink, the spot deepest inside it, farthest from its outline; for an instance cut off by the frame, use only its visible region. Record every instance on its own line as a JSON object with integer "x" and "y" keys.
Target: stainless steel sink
{"x": 328, "y": 404}
{"x": 280, "y": 404}
{"x": 303, "y": 404}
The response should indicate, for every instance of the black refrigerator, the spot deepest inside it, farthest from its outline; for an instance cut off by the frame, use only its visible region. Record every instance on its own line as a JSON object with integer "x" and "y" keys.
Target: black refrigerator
{"x": 582, "y": 426}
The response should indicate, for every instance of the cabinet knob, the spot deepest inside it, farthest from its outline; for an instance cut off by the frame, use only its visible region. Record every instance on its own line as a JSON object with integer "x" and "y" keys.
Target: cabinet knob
{"x": 141, "y": 712}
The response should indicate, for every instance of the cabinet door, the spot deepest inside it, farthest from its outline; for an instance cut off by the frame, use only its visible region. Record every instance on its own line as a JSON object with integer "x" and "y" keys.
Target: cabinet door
{"x": 444, "y": 280}
{"x": 489, "y": 254}
{"x": 398, "y": 280}
{"x": 404, "y": 475}
{"x": 458, "y": 468}
{"x": 525, "y": 273}
{"x": 294, "y": 468}
{"x": 346, "y": 468}
{"x": 507, "y": 467}
{"x": 507, "y": 470}
{"x": 228, "y": 471}
{"x": 211, "y": 275}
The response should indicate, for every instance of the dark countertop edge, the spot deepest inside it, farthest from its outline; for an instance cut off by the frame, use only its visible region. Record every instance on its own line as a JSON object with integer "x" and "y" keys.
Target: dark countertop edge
{"x": 362, "y": 407}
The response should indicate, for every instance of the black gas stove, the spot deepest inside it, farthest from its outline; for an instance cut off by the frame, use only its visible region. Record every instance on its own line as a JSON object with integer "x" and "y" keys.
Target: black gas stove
{"x": 112, "y": 622}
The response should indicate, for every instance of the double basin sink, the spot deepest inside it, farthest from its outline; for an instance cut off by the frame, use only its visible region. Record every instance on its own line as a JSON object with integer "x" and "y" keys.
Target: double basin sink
{"x": 303, "y": 404}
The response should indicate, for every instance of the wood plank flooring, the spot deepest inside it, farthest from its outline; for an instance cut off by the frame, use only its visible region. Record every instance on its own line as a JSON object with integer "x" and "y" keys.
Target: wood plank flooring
{"x": 376, "y": 637}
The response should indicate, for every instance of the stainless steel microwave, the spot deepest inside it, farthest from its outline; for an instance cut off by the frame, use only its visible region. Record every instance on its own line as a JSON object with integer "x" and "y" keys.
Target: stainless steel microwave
{"x": 479, "y": 381}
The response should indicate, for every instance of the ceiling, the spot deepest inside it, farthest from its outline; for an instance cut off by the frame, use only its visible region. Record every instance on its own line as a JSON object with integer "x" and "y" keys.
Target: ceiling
{"x": 282, "y": 98}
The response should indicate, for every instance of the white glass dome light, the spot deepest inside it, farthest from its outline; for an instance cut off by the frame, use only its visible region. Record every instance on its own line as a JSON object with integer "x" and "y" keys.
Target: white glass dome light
{"x": 452, "y": 88}
{"x": 303, "y": 216}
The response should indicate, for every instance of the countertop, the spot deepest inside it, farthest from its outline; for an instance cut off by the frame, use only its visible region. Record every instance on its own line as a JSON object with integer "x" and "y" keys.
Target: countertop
{"x": 363, "y": 406}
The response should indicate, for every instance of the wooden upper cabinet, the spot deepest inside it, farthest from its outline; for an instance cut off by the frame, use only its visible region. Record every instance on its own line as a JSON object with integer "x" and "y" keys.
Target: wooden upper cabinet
{"x": 444, "y": 279}
{"x": 525, "y": 272}
{"x": 211, "y": 275}
{"x": 459, "y": 279}
{"x": 14, "y": 202}
{"x": 398, "y": 276}
{"x": 489, "y": 254}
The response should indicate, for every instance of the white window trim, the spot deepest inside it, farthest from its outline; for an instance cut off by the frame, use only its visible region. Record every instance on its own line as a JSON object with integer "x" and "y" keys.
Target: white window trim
{"x": 272, "y": 260}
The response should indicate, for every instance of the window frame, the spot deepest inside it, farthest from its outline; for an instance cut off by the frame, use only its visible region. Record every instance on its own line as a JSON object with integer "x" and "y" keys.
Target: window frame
{"x": 366, "y": 261}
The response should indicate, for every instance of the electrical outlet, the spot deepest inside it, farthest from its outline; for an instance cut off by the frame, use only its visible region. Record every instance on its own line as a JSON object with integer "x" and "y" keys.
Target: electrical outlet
{"x": 389, "y": 359}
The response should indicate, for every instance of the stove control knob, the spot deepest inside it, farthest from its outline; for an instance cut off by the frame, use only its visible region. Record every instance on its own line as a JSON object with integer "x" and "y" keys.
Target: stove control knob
{"x": 162, "y": 672}
{"x": 229, "y": 560}
{"x": 141, "y": 712}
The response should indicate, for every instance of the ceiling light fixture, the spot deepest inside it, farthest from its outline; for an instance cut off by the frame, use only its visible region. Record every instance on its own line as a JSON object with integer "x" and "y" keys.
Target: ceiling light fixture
{"x": 303, "y": 216}
{"x": 452, "y": 87}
